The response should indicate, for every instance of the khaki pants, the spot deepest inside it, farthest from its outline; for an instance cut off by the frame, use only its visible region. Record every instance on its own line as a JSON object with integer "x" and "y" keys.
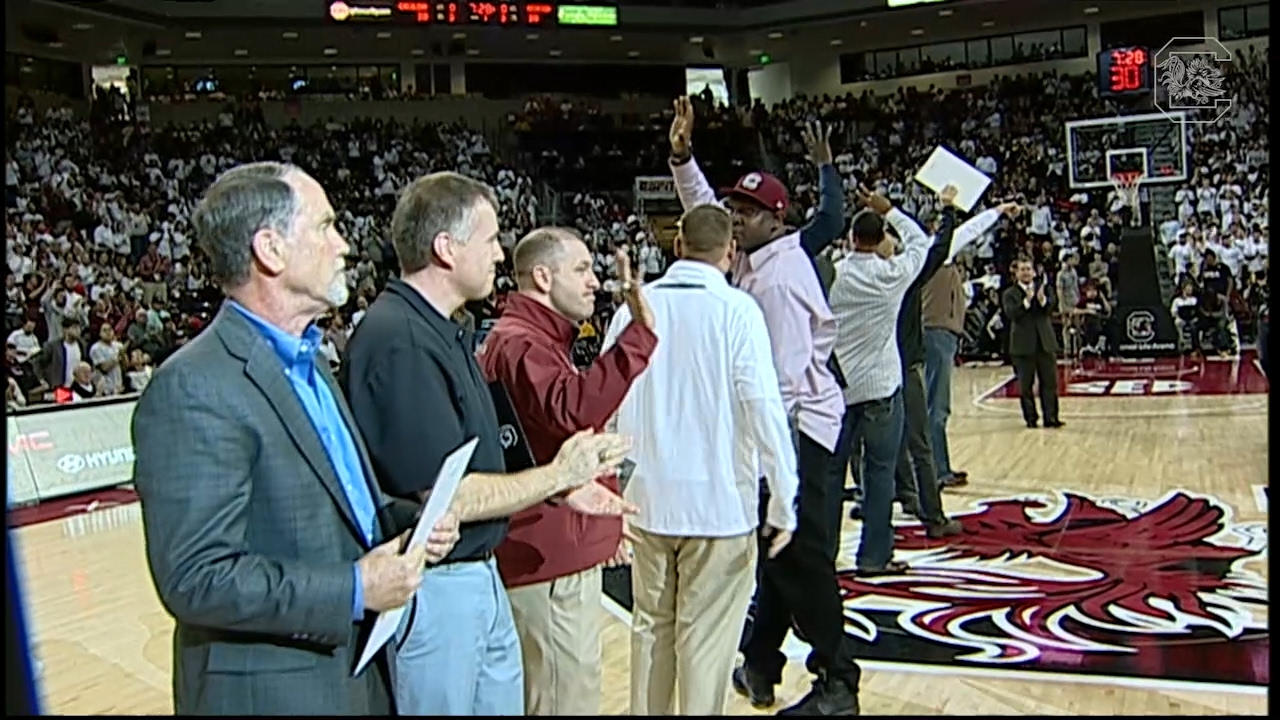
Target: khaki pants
{"x": 559, "y": 627}
{"x": 689, "y": 603}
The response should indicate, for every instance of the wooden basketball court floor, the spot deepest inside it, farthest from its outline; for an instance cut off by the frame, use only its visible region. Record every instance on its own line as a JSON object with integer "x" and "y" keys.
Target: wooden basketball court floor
{"x": 102, "y": 640}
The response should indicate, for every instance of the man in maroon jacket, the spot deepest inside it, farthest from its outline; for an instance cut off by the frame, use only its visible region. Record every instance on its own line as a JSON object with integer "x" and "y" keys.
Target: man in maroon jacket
{"x": 551, "y": 558}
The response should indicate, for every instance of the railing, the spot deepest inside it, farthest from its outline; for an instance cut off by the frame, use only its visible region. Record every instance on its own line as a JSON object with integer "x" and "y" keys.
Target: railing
{"x": 59, "y": 450}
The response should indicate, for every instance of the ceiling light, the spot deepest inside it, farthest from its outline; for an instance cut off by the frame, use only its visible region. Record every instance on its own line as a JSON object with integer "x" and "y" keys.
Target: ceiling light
{"x": 241, "y": 52}
{"x": 473, "y": 52}
{"x": 163, "y": 52}
{"x": 753, "y": 53}
{"x": 417, "y": 52}
{"x": 633, "y": 54}
{"x": 862, "y": 24}
{"x": 988, "y": 23}
{"x": 918, "y": 31}
{"x": 383, "y": 35}
{"x": 192, "y": 35}
{"x": 55, "y": 44}
{"x": 554, "y": 53}
{"x": 82, "y": 26}
{"x": 289, "y": 35}
{"x": 459, "y": 36}
{"x": 331, "y": 51}
{"x": 696, "y": 39}
{"x": 531, "y": 36}
{"x": 1090, "y": 10}
{"x": 946, "y": 13}
{"x": 836, "y": 41}
{"x": 615, "y": 38}
{"x": 775, "y": 35}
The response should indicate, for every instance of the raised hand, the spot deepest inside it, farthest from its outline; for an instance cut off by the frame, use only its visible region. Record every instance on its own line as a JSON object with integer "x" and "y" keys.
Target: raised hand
{"x": 948, "y": 195}
{"x": 817, "y": 140}
{"x": 877, "y": 202}
{"x": 588, "y": 455}
{"x": 681, "y": 134}
{"x": 1009, "y": 209}
{"x": 622, "y": 265}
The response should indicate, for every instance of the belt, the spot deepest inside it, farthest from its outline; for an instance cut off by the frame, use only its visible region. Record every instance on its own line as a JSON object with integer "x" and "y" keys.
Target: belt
{"x": 485, "y": 556}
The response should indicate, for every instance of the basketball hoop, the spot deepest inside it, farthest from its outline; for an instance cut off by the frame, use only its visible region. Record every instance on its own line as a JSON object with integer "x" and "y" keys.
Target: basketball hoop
{"x": 1126, "y": 184}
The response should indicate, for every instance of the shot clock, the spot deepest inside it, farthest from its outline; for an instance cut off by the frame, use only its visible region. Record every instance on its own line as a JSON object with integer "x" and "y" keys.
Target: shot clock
{"x": 1125, "y": 71}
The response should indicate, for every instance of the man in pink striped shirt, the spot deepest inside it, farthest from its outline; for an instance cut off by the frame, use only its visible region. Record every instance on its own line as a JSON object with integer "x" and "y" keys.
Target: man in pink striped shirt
{"x": 799, "y": 585}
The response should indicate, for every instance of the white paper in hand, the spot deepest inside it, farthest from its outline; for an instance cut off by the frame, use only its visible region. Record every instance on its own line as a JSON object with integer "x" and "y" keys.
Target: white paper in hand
{"x": 945, "y": 168}
{"x": 450, "y": 475}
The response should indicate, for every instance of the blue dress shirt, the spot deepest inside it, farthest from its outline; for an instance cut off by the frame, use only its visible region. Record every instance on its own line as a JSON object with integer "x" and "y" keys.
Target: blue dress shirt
{"x": 298, "y": 357}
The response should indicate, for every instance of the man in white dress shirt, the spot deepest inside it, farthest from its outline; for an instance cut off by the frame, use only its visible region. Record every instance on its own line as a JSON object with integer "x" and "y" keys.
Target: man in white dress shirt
{"x": 866, "y": 298}
{"x": 708, "y": 422}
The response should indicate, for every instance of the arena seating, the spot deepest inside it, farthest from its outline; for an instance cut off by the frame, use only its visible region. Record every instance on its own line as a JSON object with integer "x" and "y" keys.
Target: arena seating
{"x": 97, "y": 208}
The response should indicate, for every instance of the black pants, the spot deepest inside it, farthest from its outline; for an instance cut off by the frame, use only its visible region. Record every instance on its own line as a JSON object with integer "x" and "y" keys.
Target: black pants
{"x": 800, "y": 584}
{"x": 1041, "y": 369}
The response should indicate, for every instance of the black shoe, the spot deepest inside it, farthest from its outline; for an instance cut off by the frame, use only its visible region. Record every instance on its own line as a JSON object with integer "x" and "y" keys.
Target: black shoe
{"x": 828, "y": 697}
{"x": 753, "y": 687}
{"x": 855, "y": 511}
{"x": 910, "y": 506}
{"x": 1033, "y": 424}
{"x": 1055, "y": 424}
{"x": 853, "y": 494}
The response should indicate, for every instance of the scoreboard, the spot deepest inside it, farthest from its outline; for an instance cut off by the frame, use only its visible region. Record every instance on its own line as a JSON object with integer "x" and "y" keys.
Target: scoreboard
{"x": 1125, "y": 71}
{"x": 495, "y": 13}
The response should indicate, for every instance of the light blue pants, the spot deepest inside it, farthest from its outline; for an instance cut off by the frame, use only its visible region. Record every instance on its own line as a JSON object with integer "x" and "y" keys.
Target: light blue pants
{"x": 458, "y": 653}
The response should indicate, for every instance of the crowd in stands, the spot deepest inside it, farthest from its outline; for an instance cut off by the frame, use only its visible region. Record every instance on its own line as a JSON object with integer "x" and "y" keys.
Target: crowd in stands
{"x": 104, "y": 281}
{"x": 1012, "y": 129}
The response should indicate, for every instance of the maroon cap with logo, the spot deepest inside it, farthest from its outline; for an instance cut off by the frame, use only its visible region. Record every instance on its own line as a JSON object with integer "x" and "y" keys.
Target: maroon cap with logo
{"x": 761, "y": 188}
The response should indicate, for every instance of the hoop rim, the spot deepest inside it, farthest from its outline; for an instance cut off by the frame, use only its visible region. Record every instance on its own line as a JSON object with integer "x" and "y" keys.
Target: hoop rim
{"x": 1127, "y": 179}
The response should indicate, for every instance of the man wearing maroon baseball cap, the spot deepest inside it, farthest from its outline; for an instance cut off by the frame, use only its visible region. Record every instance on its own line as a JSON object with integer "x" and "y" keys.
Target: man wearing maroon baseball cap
{"x": 777, "y": 269}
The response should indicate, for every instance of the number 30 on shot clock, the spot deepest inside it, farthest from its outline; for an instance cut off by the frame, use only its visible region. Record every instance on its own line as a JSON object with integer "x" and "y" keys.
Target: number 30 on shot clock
{"x": 1124, "y": 71}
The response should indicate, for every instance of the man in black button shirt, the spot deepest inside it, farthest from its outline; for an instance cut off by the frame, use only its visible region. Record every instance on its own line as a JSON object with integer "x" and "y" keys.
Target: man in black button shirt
{"x": 417, "y": 395}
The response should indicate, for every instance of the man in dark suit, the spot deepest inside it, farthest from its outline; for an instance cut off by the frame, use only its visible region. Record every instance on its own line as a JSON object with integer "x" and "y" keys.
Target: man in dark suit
{"x": 1032, "y": 343}
{"x": 267, "y": 537}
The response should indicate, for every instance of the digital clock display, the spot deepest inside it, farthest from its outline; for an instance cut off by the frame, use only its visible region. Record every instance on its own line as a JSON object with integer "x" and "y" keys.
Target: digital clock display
{"x": 1124, "y": 71}
{"x": 458, "y": 12}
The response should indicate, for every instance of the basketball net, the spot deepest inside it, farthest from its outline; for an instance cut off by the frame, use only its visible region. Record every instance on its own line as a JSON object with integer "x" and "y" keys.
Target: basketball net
{"x": 1127, "y": 184}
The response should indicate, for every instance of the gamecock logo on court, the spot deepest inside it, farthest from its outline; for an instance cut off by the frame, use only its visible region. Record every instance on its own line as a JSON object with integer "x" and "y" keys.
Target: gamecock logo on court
{"x": 1073, "y": 584}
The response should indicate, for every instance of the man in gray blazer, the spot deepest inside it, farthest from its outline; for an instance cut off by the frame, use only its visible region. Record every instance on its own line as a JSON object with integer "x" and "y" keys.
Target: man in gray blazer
{"x": 267, "y": 537}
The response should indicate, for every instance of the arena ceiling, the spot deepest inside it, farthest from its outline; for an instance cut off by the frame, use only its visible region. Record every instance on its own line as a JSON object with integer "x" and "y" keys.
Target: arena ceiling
{"x": 294, "y": 31}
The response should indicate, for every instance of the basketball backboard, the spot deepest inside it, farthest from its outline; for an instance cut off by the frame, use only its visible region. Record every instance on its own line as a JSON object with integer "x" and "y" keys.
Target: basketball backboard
{"x": 1154, "y": 144}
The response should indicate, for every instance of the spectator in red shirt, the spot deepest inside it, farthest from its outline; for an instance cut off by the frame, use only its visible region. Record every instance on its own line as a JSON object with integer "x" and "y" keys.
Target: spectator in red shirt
{"x": 153, "y": 268}
{"x": 551, "y": 558}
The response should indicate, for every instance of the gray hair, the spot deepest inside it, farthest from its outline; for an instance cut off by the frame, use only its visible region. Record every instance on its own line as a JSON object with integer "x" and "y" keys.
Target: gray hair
{"x": 242, "y": 201}
{"x": 442, "y": 202}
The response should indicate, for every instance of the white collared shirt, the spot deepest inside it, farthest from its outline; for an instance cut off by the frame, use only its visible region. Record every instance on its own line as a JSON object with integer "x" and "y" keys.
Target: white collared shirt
{"x": 706, "y": 418}
{"x": 866, "y": 297}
